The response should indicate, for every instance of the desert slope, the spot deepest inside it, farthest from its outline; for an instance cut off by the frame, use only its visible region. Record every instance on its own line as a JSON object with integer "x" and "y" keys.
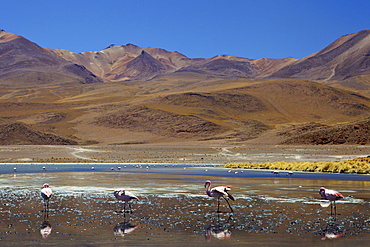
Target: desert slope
{"x": 349, "y": 56}
{"x": 150, "y": 95}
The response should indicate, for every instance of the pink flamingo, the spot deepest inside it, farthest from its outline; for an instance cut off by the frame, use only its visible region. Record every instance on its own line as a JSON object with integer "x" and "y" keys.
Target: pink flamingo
{"x": 46, "y": 194}
{"x": 332, "y": 196}
{"x": 125, "y": 196}
{"x": 219, "y": 192}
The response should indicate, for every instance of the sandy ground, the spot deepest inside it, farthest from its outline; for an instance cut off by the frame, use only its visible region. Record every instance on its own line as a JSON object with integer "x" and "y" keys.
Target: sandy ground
{"x": 175, "y": 211}
{"x": 183, "y": 153}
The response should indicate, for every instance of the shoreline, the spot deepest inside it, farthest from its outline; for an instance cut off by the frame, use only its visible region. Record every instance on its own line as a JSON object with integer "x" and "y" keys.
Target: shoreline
{"x": 172, "y": 169}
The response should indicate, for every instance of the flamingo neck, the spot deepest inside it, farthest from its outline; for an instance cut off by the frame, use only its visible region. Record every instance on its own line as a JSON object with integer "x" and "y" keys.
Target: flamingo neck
{"x": 208, "y": 191}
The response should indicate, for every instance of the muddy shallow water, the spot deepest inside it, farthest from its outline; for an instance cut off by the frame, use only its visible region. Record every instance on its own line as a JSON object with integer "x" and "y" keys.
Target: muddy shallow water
{"x": 174, "y": 210}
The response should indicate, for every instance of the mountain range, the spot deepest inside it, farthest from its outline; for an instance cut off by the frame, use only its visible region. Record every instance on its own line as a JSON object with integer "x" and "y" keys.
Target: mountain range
{"x": 128, "y": 94}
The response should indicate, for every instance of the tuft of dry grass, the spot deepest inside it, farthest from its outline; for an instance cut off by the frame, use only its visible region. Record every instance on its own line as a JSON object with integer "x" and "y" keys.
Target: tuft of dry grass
{"x": 354, "y": 166}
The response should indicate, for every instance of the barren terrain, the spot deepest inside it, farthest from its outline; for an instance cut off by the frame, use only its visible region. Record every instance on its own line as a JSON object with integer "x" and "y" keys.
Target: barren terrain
{"x": 172, "y": 153}
{"x": 126, "y": 95}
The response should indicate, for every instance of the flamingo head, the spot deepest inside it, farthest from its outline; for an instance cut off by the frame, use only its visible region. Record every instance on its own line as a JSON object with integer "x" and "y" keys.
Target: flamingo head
{"x": 46, "y": 185}
{"x": 322, "y": 189}
{"x": 119, "y": 192}
{"x": 208, "y": 183}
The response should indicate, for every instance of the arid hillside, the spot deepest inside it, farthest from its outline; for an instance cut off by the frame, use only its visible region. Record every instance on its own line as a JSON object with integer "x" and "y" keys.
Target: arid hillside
{"x": 24, "y": 63}
{"x": 130, "y": 95}
{"x": 220, "y": 111}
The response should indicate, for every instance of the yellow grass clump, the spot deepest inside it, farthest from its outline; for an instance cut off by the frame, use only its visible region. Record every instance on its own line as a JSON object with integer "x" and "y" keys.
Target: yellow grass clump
{"x": 357, "y": 166}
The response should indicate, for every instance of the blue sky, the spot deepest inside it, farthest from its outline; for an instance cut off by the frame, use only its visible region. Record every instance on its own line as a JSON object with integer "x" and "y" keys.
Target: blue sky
{"x": 195, "y": 28}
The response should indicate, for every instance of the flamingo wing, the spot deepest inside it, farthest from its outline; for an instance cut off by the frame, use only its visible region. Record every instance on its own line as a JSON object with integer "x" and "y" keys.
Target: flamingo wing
{"x": 223, "y": 191}
{"x": 132, "y": 196}
{"x": 331, "y": 195}
{"x": 46, "y": 193}
{"x": 338, "y": 195}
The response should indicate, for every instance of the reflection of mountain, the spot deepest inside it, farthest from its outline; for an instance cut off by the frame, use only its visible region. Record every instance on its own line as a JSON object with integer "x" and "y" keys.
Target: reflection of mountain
{"x": 124, "y": 228}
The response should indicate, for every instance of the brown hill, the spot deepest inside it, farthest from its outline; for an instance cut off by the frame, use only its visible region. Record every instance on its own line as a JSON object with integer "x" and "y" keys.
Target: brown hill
{"x": 346, "y": 57}
{"x": 161, "y": 123}
{"x": 223, "y": 68}
{"x": 352, "y": 133}
{"x": 222, "y": 111}
{"x": 143, "y": 67}
{"x": 150, "y": 95}
{"x": 21, "y": 134}
{"x": 126, "y": 62}
{"x": 24, "y": 62}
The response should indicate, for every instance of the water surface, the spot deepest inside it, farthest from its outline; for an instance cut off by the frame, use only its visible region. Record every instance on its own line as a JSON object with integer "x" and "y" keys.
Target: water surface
{"x": 174, "y": 210}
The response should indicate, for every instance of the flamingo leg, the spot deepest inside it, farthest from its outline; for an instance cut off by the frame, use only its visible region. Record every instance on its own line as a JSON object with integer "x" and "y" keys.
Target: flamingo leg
{"x": 218, "y": 205}
{"x": 229, "y": 205}
{"x": 46, "y": 204}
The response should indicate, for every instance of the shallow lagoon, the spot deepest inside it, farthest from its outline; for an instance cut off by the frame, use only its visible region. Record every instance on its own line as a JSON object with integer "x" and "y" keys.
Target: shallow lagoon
{"x": 174, "y": 210}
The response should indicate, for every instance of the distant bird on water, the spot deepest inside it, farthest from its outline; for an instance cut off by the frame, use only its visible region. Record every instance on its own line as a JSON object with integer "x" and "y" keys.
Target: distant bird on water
{"x": 276, "y": 173}
{"x": 125, "y": 196}
{"x": 332, "y": 196}
{"x": 219, "y": 192}
{"x": 46, "y": 194}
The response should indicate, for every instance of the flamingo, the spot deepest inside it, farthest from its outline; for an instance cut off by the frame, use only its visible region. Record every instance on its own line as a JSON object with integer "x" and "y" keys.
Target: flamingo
{"x": 332, "y": 196}
{"x": 276, "y": 173}
{"x": 125, "y": 196}
{"x": 46, "y": 194}
{"x": 218, "y": 192}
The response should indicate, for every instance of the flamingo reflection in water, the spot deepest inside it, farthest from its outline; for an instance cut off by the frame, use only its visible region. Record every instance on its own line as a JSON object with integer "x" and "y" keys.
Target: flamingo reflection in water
{"x": 218, "y": 230}
{"x": 124, "y": 228}
{"x": 126, "y": 197}
{"x": 45, "y": 228}
{"x": 331, "y": 231}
